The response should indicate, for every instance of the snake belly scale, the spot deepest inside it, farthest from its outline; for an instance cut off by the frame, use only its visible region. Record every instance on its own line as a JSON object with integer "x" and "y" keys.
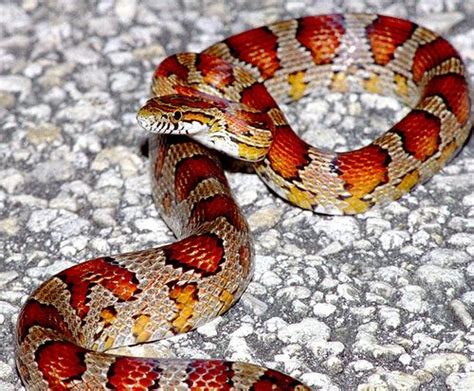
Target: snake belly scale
{"x": 226, "y": 97}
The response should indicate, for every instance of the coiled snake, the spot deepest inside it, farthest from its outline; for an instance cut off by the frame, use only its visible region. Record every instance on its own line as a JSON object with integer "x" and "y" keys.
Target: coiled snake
{"x": 225, "y": 97}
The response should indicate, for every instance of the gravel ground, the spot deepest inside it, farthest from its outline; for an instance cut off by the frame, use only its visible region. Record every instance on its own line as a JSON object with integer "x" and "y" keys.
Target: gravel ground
{"x": 378, "y": 301}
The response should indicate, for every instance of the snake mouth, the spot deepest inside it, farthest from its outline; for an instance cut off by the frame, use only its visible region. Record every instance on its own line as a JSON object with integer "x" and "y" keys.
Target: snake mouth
{"x": 159, "y": 123}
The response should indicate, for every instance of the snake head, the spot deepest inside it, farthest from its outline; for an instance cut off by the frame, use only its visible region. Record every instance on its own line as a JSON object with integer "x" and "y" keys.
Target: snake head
{"x": 229, "y": 127}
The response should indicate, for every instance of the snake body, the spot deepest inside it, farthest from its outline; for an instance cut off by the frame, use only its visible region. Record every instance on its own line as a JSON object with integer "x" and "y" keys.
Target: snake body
{"x": 226, "y": 97}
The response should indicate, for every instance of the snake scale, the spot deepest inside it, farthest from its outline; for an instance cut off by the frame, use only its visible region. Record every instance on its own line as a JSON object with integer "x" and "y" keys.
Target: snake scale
{"x": 225, "y": 97}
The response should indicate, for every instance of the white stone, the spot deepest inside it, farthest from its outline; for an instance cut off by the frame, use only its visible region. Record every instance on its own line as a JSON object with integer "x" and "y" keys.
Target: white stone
{"x": 348, "y": 292}
{"x": 461, "y": 313}
{"x": 293, "y": 292}
{"x": 15, "y": 84}
{"x": 53, "y": 170}
{"x": 62, "y": 201}
{"x": 40, "y": 220}
{"x": 367, "y": 343}
{"x": 270, "y": 278}
{"x": 390, "y": 317}
{"x": 405, "y": 359}
{"x": 344, "y": 229}
{"x": 7, "y": 276}
{"x": 362, "y": 365}
{"x": 126, "y": 10}
{"x": 375, "y": 226}
{"x": 402, "y": 381}
{"x": 319, "y": 381}
{"x": 393, "y": 239}
{"x": 323, "y": 348}
{"x": 468, "y": 200}
{"x": 461, "y": 381}
{"x": 239, "y": 350}
{"x": 332, "y": 248}
{"x": 413, "y": 299}
{"x": 69, "y": 224}
{"x": 334, "y": 365}
{"x": 104, "y": 217}
{"x": 444, "y": 363}
{"x": 445, "y": 257}
{"x": 7, "y": 309}
{"x": 91, "y": 107}
{"x": 307, "y": 330}
{"x": 323, "y": 310}
{"x": 393, "y": 275}
{"x": 104, "y": 198}
{"x": 10, "y": 180}
{"x": 425, "y": 342}
{"x": 210, "y": 328}
{"x": 461, "y": 239}
{"x": 122, "y": 81}
{"x": 266, "y": 217}
{"x": 437, "y": 279}
{"x": 258, "y": 307}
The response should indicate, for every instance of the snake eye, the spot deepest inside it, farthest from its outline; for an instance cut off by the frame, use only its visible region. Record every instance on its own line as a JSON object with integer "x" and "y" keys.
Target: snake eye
{"x": 177, "y": 115}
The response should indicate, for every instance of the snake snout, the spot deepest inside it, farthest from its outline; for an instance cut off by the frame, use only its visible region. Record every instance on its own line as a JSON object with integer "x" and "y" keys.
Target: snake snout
{"x": 149, "y": 118}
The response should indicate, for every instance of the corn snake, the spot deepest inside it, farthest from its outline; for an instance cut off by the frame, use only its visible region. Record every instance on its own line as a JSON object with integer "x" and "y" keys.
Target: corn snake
{"x": 106, "y": 302}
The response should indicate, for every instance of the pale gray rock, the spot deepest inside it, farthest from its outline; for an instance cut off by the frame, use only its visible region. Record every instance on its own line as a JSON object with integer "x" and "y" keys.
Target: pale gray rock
{"x": 440, "y": 282}
{"x": 361, "y": 365}
{"x": 40, "y": 220}
{"x": 462, "y": 313}
{"x": 366, "y": 343}
{"x": 338, "y": 228}
{"x": 319, "y": 381}
{"x": 397, "y": 380}
{"x": 446, "y": 257}
{"x": 6, "y": 371}
{"x": 323, "y": 310}
{"x": 307, "y": 330}
{"x": 461, "y": 381}
{"x": 444, "y": 363}
{"x": 7, "y": 276}
{"x": 324, "y": 348}
{"x": 392, "y": 239}
{"x": 413, "y": 299}
{"x": 390, "y": 317}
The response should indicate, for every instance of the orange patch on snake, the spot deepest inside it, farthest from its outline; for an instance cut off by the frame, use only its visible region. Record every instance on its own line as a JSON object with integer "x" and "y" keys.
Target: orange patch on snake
{"x": 210, "y": 375}
{"x": 211, "y": 208}
{"x": 128, "y": 373}
{"x": 430, "y": 55}
{"x": 419, "y": 131}
{"x": 385, "y": 35}
{"x": 45, "y": 315}
{"x": 257, "y": 47}
{"x": 100, "y": 271}
{"x": 202, "y": 253}
{"x": 321, "y": 36}
{"x": 288, "y": 153}
{"x": 216, "y": 72}
{"x": 61, "y": 363}
{"x": 192, "y": 171}
{"x": 171, "y": 66}
{"x": 453, "y": 88}
{"x": 363, "y": 170}
{"x": 160, "y": 160}
{"x": 257, "y": 97}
